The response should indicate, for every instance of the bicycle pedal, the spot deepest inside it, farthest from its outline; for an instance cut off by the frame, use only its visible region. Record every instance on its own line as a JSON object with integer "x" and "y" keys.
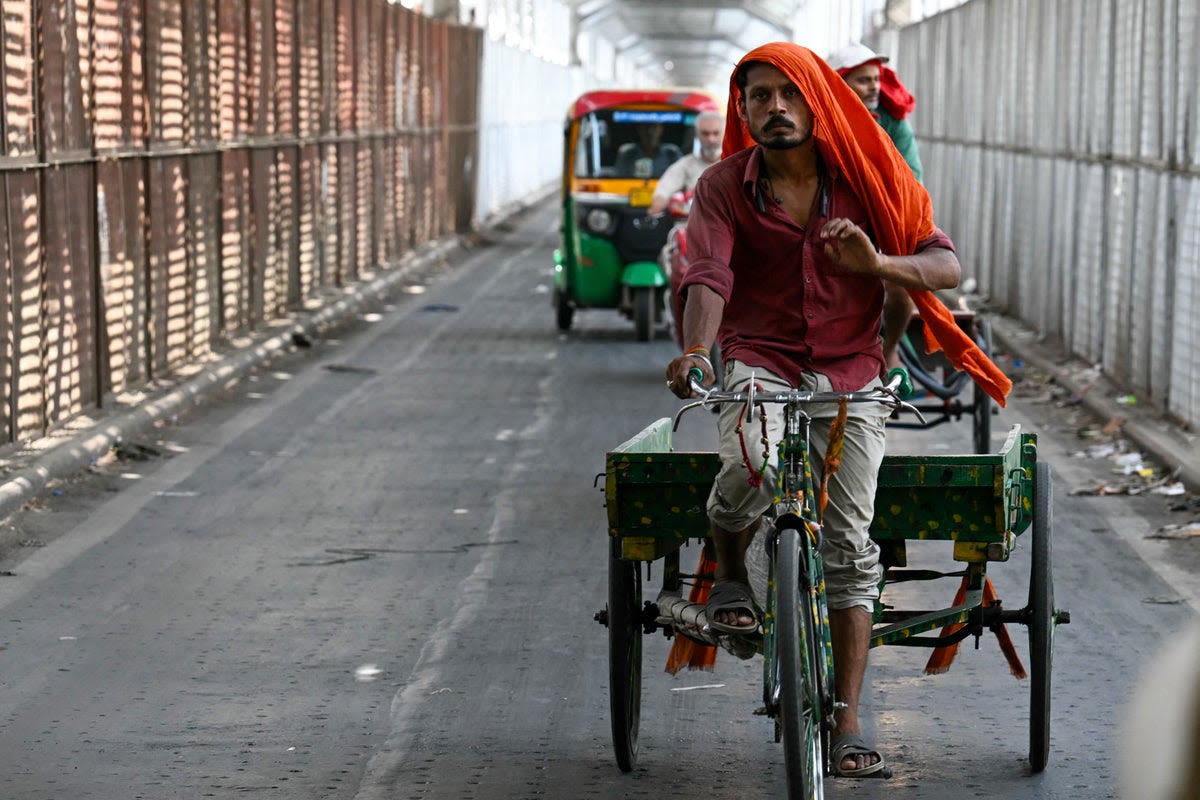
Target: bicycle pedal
{"x": 738, "y": 647}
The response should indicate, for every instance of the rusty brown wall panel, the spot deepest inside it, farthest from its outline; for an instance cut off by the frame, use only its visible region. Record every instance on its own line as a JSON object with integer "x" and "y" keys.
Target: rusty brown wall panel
{"x": 286, "y": 225}
{"x": 166, "y": 76}
{"x": 385, "y": 214}
{"x": 367, "y": 69}
{"x": 236, "y": 224}
{"x": 20, "y": 75}
{"x": 284, "y": 89}
{"x": 347, "y": 157}
{"x": 367, "y": 204}
{"x": 310, "y": 272}
{"x": 329, "y": 32}
{"x": 69, "y": 303}
{"x": 387, "y": 67}
{"x": 121, "y": 256}
{"x": 403, "y": 192}
{"x": 118, "y": 115}
{"x": 405, "y": 84}
{"x": 272, "y": 231}
{"x": 331, "y": 214}
{"x": 232, "y": 70}
{"x": 204, "y": 210}
{"x": 429, "y": 76}
{"x": 25, "y": 261}
{"x": 431, "y": 169}
{"x": 308, "y": 67}
{"x": 7, "y": 333}
{"x": 260, "y": 81}
{"x": 168, "y": 267}
{"x": 276, "y": 299}
{"x": 344, "y": 43}
{"x": 200, "y": 48}
{"x": 418, "y": 153}
{"x": 62, "y": 101}
{"x": 262, "y": 265}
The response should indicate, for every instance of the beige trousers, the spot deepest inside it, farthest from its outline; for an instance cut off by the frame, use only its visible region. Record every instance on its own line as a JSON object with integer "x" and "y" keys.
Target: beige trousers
{"x": 852, "y": 569}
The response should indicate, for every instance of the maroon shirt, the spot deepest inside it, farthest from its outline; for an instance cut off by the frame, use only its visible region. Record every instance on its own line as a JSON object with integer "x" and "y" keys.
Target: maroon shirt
{"x": 788, "y": 308}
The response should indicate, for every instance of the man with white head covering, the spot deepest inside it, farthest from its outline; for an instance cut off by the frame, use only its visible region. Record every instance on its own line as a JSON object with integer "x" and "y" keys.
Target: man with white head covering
{"x": 883, "y": 94}
{"x": 889, "y": 102}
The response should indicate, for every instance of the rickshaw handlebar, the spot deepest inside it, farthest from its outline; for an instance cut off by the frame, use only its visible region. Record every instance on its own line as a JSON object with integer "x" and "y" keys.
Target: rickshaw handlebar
{"x": 888, "y": 394}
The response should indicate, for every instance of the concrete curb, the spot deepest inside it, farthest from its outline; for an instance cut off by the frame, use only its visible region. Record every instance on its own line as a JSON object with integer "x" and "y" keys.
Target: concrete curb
{"x": 81, "y": 449}
{"x": 1172, "y": 447}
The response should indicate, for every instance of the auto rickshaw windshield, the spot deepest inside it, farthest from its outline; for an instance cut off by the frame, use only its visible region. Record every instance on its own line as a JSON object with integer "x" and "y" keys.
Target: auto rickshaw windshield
{"x": 623, "y": 143}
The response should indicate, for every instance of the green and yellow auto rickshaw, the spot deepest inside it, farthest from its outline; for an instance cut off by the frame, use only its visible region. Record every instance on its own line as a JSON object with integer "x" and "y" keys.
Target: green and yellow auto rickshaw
{"x": 617, "y": 145}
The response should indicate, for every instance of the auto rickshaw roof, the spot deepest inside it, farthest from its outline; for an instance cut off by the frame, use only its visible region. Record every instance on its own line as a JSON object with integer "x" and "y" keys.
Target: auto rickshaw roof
{"x": 607, "y": 98}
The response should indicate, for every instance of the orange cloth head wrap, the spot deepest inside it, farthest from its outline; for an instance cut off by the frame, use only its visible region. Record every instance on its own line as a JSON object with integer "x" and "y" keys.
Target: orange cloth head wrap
{"x": 853, "y": 144}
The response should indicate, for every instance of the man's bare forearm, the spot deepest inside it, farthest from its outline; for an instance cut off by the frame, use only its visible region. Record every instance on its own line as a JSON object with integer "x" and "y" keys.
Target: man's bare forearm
{"x": 933, "y": 269}
{"x": 701, "y": 316}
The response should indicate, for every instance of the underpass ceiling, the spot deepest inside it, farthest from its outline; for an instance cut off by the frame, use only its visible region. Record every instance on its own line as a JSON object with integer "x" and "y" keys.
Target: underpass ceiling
{"x": 688, "y": 42}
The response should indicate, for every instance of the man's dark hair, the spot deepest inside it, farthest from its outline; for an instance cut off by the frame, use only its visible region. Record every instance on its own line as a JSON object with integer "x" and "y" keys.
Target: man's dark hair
{"x": 740, "y": 79}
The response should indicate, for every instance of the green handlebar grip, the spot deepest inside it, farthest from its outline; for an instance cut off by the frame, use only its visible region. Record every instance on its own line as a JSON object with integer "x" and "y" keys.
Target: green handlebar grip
{"x": 696, "y": 374}
{"x": 906, "y": 388}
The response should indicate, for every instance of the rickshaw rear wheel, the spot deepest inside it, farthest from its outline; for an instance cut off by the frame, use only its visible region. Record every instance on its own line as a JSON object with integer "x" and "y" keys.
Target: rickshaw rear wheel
{"x": 643, "y": 312}
{"x": 564, "y": 312}
{"x": 1041, "y": 622}
{"x": 799, "y": 694}
{"x": 624, "y": 658}
{"x": 981, "y": 416}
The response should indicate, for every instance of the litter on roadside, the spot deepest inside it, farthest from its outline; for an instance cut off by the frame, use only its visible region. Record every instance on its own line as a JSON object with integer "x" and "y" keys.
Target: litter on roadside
{"x": 1188, "y": 530}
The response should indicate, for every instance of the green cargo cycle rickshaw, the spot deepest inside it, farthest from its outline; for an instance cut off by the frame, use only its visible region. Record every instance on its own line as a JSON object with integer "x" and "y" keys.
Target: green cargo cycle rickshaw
{"x": 617, "y": 144}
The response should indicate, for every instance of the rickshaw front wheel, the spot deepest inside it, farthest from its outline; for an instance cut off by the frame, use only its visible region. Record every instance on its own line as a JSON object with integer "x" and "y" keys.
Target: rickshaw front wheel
{"x": 799, "y": 696}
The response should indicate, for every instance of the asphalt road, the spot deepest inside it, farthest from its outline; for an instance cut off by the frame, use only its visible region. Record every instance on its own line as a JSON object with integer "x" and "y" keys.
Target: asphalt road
{"x": 370, "y": 571}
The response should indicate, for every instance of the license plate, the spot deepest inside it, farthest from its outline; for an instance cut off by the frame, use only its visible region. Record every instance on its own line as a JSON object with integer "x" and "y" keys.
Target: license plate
{"x": 641, "y": 196}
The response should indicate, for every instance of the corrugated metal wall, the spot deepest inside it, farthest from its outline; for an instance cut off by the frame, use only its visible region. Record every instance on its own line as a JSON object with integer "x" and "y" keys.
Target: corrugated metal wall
{"x": 1061, "y": 143}
{"x": 181, "y": 172}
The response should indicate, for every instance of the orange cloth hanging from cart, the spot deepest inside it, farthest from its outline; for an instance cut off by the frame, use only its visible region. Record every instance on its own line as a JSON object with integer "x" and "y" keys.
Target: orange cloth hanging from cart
{"x": 941, "y": 657}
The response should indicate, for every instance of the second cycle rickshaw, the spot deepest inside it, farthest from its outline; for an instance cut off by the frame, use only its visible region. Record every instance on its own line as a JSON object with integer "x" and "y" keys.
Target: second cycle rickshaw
{"x": 941, "y": 387}
{"x": 656, "y": 498}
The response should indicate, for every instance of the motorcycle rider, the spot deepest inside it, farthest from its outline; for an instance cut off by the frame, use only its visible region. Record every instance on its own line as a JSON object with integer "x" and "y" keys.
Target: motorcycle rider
{"x": 682, "y": 175}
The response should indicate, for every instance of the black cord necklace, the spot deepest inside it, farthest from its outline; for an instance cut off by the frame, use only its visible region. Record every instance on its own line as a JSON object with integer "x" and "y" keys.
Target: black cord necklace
{"x": 770, "y": 186}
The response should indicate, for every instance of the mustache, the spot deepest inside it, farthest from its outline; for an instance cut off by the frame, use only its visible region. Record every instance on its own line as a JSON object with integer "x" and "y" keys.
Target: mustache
{"x": 778, "y": 122}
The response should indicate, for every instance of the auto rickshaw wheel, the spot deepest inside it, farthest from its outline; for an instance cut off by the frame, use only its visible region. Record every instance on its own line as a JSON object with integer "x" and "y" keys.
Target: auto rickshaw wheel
{"x": 564, "y": 312}
{"x": 643, "y": 312}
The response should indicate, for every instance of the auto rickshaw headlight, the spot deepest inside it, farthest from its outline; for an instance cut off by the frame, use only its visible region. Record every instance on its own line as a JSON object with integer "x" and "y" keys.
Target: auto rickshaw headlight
{"x": 599, "y": 220}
